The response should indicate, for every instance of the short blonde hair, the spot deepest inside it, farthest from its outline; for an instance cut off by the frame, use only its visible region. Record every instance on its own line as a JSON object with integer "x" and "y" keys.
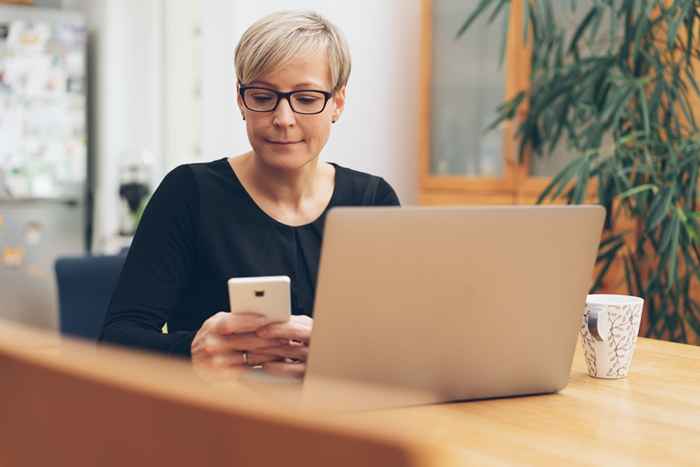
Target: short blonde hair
{"x": 272, "y": 41}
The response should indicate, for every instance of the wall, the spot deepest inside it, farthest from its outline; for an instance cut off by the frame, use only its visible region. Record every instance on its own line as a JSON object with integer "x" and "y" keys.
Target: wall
{"x": 182, "y": 83}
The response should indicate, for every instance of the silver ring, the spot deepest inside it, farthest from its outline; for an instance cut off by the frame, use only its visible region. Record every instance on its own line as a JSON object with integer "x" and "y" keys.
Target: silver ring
{"x": 245, "y": 358}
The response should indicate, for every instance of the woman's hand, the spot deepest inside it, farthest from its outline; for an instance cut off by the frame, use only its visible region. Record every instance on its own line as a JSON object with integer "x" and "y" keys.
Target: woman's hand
{"x": 228, "y": 340}
{"x": 291, "y": 355}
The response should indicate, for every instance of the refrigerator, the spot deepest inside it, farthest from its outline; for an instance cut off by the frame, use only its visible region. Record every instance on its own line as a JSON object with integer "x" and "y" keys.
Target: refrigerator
{"x": 45, "y": 194}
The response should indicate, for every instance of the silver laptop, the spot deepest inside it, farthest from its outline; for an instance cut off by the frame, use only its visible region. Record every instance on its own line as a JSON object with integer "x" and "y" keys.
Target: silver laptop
{"x": 453, "y": 303}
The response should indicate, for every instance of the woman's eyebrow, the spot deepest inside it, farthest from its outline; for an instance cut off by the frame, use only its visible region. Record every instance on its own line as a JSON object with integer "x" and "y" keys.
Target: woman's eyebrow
{"x": 309, "y": 84}
{"x": 262, "y": 83}
{"x": 304, "y": 85}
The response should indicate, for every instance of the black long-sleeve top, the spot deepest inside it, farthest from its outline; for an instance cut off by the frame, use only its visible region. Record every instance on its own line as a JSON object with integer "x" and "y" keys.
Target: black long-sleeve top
{"x": 200, "y": 228}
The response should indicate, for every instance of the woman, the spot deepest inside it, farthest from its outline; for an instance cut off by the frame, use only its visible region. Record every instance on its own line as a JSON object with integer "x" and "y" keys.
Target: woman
{"x": 257, "y": 214}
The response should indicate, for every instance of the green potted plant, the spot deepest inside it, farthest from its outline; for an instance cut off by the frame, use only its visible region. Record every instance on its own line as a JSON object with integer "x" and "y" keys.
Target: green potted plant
{"x": 613, "y": 81}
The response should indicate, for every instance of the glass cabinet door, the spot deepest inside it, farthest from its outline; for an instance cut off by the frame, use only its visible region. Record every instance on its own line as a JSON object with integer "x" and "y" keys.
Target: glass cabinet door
{"x": 467, "y": 86}
{"x": 463, "y": 83}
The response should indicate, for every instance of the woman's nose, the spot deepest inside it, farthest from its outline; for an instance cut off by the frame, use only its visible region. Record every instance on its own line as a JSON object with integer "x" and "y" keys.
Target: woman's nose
{"x": 283, "y": 115}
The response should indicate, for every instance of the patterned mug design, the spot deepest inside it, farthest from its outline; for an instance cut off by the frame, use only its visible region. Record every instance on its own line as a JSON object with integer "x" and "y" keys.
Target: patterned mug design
{"x": 609, "y": 333}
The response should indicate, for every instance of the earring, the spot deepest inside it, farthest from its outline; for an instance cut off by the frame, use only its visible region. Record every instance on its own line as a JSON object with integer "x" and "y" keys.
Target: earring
{"x": 332, "y": 121}
{"x": 243, "y": 117}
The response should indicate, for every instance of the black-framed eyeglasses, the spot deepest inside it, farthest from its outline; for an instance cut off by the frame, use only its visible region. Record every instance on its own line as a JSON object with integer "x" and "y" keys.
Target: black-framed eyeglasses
{"x": 302, "y": 101}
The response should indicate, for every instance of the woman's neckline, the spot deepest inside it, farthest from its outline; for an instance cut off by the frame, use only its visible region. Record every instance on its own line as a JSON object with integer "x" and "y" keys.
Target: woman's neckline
{"x": 271, "y": 218}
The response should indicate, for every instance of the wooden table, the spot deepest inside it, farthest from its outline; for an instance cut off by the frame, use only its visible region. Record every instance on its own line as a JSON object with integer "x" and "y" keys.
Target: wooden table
{"x": 652, "y": 417}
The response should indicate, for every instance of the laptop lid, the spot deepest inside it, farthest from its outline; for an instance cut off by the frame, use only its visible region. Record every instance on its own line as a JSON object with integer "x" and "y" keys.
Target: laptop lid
{"x": 455, "y": 303}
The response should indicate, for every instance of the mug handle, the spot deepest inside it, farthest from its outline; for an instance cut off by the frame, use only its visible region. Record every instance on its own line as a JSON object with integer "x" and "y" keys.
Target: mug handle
{"x": 592, "y": 320}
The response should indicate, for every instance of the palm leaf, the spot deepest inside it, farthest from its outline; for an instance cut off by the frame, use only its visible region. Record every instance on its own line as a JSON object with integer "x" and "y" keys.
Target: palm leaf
{"x": 478, "y": 11}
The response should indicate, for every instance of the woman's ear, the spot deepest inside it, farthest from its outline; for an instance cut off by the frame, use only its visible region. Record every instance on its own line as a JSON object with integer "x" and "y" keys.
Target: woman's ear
{"x": 240, "y": 107}
{"x": 339, "y": 101}
{"x": 239, "y": 101}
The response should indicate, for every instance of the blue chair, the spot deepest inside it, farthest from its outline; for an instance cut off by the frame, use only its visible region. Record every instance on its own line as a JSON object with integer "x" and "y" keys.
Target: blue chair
{"x": 85, "y": 287}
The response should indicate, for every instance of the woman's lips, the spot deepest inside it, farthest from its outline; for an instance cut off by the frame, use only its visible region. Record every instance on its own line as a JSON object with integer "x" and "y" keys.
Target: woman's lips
{"x": 283, "y": 143}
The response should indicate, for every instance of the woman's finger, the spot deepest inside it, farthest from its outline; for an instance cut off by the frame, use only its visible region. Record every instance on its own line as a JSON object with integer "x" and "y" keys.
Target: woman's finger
{"x": 298, "y": 328}
{"x": 255, "y": 359}
{"x": 229, "y": 367}
{"x": 229, "y": 323}
{"x": 226, "y": 359}
{"x": 214, "y": 344}
{"x": 299, "y": 352}
{"x": 250, "y": 341}
{"x": 236, "y": 358}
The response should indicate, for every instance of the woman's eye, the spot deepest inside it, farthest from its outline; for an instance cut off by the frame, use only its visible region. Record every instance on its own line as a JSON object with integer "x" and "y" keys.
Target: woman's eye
{"x": 307, "y": 99}
{"x": 262, "y": 98}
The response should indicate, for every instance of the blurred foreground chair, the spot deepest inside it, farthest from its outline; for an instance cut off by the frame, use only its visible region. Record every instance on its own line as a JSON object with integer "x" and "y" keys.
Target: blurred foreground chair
{"x": 78, "y": 406}
{"x": 85, "y": 286}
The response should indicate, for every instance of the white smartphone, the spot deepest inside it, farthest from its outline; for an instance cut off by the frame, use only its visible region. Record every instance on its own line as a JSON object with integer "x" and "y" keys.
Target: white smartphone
{"x": 266, "y": 295}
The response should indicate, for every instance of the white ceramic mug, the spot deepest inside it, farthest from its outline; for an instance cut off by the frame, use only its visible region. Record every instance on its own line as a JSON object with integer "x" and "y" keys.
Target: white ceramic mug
{"x": 609, "y": 333}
